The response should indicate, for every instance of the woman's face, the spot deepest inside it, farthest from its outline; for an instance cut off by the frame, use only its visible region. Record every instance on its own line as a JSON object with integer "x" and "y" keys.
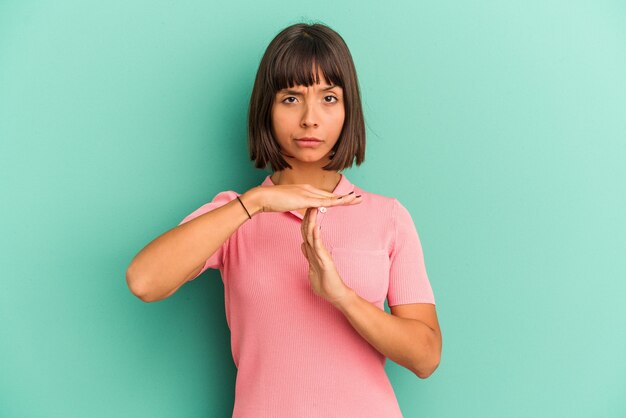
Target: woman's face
{"x": 316, "y": 111}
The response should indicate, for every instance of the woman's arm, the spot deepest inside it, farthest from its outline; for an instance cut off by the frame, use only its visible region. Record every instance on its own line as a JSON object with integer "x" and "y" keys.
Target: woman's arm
{"x": 168, "y": 261}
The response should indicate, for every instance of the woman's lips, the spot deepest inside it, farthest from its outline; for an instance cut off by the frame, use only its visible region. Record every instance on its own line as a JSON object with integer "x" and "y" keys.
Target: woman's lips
{"x": 308, "y": 143}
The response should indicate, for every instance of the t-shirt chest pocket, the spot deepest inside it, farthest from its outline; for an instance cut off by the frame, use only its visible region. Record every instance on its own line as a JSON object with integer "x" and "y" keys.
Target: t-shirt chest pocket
{"x": 364, "y": 271}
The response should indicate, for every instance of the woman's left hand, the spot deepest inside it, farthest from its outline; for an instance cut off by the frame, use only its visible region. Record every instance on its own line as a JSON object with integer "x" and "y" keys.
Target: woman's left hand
{"x": 323, "y": 275}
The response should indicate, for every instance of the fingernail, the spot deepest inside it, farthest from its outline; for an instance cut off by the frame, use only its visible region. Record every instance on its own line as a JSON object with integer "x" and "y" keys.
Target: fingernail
{"x": 339, "y": 197}
{"x": 358, "y": 195}
{"x": 351, "y": 192}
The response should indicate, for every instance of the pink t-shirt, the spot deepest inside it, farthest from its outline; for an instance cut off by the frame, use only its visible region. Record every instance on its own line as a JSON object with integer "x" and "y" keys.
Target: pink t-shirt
{"x": 296, "y": 354}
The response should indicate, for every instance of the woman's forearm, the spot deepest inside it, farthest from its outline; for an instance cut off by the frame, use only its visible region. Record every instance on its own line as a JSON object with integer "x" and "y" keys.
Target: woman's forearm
{"x": 408, "y": 342}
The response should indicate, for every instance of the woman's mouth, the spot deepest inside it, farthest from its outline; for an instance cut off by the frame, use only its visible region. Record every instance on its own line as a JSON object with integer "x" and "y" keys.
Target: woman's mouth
{"x": 308, "y": 142}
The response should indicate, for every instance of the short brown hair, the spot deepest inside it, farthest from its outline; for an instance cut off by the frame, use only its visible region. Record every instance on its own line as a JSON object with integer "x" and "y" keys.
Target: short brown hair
{"x": 288, "y": 60}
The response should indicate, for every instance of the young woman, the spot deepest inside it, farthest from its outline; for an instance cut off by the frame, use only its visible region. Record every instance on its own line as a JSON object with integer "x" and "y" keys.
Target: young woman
{"x": 307, "y": 258}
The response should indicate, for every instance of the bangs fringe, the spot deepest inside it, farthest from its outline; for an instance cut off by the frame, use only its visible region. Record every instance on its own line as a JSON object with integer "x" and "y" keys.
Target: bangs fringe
{"x": 294, "y": 65}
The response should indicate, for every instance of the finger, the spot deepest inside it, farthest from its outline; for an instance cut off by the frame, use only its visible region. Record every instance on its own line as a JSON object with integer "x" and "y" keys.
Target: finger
{"x": 318, "y": 192}
{"x": 319, "y": 249}
{"x": 357, "y": 199}
{"x": 311, "y": 225}
{"x": 308, "y": 251}
{"x": 317, "y": 241}
{"x": 339, "y": 200}
{"x": 350, "y": 199}
{"x": 310, "y": 220}
{"x": 303, "y": 225}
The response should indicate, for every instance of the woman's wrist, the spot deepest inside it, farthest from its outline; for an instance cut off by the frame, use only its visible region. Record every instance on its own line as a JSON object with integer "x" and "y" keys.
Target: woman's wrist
{"x": 252, "y": 201}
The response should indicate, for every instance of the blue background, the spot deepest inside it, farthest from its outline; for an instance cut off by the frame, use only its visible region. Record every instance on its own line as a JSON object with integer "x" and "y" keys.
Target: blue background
{"x": 500, "y": 126}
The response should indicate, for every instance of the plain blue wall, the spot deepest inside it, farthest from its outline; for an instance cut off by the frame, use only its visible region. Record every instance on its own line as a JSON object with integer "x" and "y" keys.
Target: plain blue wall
{"x": 499, "y": 125}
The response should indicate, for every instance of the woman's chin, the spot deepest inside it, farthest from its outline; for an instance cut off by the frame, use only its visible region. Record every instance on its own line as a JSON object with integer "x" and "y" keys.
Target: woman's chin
{"x": 306, "y": 156}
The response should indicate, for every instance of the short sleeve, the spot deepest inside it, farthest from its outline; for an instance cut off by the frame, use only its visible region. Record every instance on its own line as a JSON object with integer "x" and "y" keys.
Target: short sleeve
{"x": 408, "y": 281}
{"x": 216, "y": 261}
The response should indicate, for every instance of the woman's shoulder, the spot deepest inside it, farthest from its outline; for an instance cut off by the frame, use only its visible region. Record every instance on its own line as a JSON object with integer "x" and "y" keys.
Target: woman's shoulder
{"x": 383, "y": 204}
{"x": 376, "y": 201}
{"x": 374, "y": 196}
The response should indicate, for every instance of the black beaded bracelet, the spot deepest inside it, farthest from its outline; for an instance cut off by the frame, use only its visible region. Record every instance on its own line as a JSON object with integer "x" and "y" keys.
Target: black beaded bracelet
{"x": 244, "y": 208}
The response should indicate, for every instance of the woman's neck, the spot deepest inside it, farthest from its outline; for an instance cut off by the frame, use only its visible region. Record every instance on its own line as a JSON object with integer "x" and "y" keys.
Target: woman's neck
{"x": 325, "y": 180}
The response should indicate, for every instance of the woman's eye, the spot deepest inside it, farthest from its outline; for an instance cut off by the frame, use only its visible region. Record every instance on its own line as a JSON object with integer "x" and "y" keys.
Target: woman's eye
{"x": 289, "y": 99}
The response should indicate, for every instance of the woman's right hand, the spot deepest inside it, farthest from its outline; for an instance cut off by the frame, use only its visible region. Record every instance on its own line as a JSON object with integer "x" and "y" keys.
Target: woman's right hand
{"x": 287, "y": 197}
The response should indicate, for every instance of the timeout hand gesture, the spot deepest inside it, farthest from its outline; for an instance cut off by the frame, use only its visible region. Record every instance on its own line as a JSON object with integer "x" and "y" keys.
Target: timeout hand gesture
{"x": 323, "y": 275}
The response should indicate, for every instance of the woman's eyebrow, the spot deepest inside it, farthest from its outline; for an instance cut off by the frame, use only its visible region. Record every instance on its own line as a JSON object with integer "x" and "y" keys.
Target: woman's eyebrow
{"x": 297, "y": 93}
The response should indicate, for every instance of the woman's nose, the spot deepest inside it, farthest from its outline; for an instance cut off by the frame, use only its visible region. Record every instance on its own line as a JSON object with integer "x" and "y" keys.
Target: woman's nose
{"x": 309, "y": 117}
